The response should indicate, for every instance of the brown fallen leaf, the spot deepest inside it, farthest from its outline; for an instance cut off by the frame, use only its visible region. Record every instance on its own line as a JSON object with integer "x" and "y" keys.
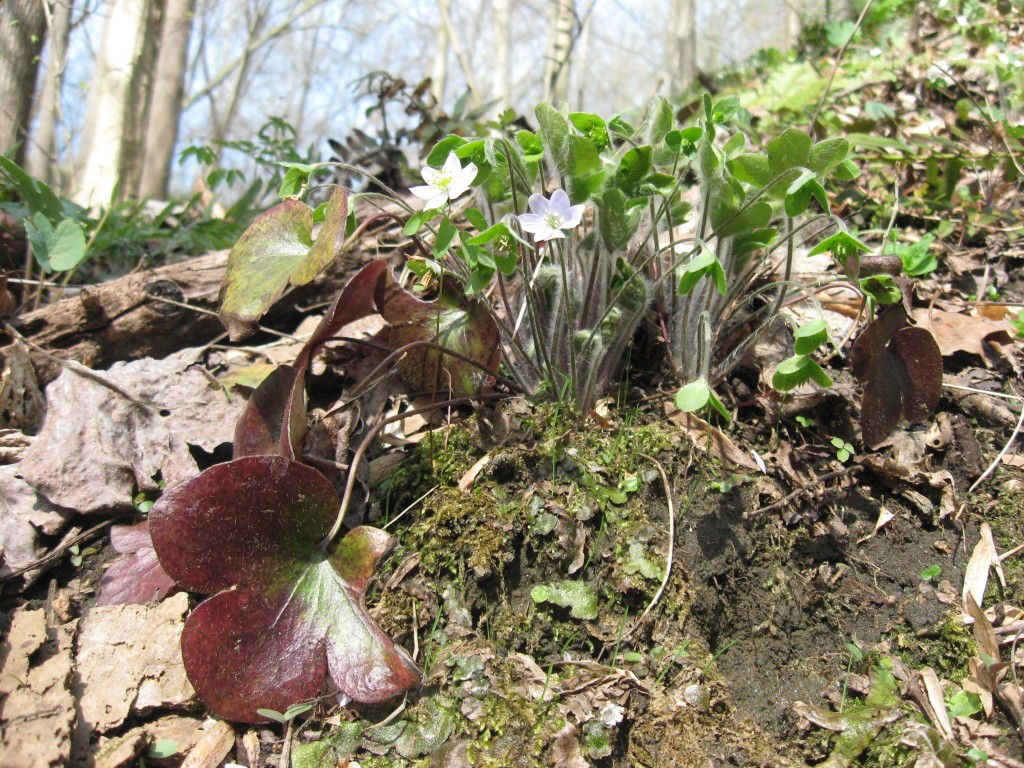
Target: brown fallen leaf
{"x": 956, "y": 332}
{"x": 710, "y": 438}
{"x": 97, "y": 447}
{"x": 129, "y": 659}
{"x": 37, "y": 709}
{"x": 23, "y": 517}
{"x": 212, "y": 748}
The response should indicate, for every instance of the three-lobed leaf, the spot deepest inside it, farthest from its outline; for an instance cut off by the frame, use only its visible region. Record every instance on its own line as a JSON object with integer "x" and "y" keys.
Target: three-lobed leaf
{"x": 285, "y": 614}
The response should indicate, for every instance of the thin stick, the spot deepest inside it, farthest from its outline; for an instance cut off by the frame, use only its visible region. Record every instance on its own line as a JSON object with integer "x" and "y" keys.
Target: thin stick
{"x": 56, "y": 553}
{"x": 839, "y": 61}
{"x": 671, "y": 544}
{"x": 803, "y": 489}
{"x": 999, "y": 458}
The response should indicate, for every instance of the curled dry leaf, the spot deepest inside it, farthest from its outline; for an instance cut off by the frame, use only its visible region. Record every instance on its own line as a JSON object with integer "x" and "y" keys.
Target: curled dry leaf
{"x": 284, "y": 614}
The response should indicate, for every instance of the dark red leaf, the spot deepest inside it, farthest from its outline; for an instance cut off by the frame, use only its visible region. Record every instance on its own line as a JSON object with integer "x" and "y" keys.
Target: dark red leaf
{"x": 136, "y": 576}
{"x": 900, "y": 367}
{"x": 286, "y": 615}
{"x": 274, "y": 419}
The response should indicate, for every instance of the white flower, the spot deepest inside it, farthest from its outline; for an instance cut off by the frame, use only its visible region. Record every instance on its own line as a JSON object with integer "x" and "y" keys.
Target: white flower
{"x": 550, "y": 217}
{"x": 448, "y": 183}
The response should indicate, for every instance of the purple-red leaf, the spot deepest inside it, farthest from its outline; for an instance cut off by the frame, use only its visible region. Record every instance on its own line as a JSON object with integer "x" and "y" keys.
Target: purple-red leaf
{"x": 452, "y": 321}
{"x": 900, "y": 367}
{"x": 285, "y": 615}
{"x": 136, "y": 576}
{"x": 274, "y": 419}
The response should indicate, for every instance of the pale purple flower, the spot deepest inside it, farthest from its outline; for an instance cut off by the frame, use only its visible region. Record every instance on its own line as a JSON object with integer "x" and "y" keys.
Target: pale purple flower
{"x": 548, "y": 218}
{"x": 445, "y": 183}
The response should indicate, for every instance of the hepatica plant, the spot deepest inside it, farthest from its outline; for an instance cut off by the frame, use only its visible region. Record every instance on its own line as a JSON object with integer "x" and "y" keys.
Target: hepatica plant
{"x": 537, "y": 256}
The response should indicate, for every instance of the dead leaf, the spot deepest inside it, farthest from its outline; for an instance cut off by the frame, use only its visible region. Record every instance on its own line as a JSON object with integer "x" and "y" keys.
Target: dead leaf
{"x": 97, "y": 448}
{"x": 129, "y": 659}
{"x": 467, "y": 480}
{"x": 38, "y": 710}
{"x": 982, "y": 559}
{"x": 927, "y": 691}
{"x": 565, "y": 752}
{"x": 956, "y": 332}
{"x": 23, "y": 516}
{"x": 710, "y": 438}
{"x": 1013, "y": 460}
{"x": 884, "y": 517}
{"x": 21, "y": 403}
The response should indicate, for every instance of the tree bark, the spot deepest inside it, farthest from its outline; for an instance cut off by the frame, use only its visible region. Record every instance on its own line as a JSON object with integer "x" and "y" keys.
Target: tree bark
{"x": 22, "y": 30}
{"x": 118, "y": 105}
{"x": 683, "y": 52}
{"x": 560, "y": 40}
{"x": 43, "y": 159}
{"x": 501, "y": 58}
{"x": 165, "y": 108}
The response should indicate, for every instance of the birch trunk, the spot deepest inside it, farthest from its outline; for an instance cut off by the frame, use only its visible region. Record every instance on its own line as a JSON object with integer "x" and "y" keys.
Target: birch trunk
{"x": 560, "y": 39}
{"x": 22, "y": 30}
{"x": 501, "y": 61}
{"x": 118, "y": 102}
{"x": 683, "y": 52}
{"x": 165, "y": 108}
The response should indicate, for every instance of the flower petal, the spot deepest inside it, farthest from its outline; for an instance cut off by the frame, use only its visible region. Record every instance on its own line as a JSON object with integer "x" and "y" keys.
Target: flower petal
{"x": 452, "y": 164}
{"x": 539, "y": 205}
{"x": 574, "y": 217}
{"x": 560, "y": 203}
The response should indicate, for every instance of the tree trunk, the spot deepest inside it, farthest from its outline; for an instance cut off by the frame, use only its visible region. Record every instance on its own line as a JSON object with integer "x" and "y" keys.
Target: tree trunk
{"x": 560, "y": 39}
{"x": 683, "y": 52}
{"x": 43, "y": 156}
{"x": 165, "y": 108}
{"x": 501, "y": 58}
{"x": 118, "y": 105}
{"x": 22, "y": 30}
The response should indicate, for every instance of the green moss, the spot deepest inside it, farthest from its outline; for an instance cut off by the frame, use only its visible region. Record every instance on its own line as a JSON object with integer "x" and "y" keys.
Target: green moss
{"x": 947, "y": 649}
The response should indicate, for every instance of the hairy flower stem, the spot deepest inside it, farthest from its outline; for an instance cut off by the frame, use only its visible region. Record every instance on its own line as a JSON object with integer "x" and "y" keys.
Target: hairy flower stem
{"x": 570, "y": 319}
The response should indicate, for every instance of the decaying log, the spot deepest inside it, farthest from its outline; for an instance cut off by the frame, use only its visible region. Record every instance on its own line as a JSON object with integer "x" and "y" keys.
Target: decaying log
{"x": 125, "y": 319}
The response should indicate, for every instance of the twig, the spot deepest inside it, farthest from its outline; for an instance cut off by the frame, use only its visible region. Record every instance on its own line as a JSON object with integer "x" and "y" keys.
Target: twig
{"x": 671, "y": 545}
{"x": 204, "y": 311}
{"x": 803, "y": 489}
{"x": 56, "y": 553}
{"x": 76, "y": 367}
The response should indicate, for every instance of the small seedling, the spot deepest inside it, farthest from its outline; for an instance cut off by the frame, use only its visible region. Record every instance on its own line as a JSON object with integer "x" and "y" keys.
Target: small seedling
{"x": 917, "y": 258}
{"x": 78, "y": 555}
{"x": 678, "y": 654}
{"x": 931, "y": 573}
{"x": 805, "y": 421}
{"x": 1018, "y": 324}
{"x": 844, "y": 451}
{"x": 289, "y": 714}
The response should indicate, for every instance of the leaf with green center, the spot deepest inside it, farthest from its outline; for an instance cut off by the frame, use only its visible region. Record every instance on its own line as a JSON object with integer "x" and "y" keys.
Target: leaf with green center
{"x": 845, "y": 248}
{"x": 284, "y": 616}
{"x": 275, "y": 251}
{"x": 752, "y": 168}
{"x": 882, "y": 288}
{"x": 791, "y": 149}
{"x": 825, "y": 156}
{"x": 452, "y": 321}
{"x": 633, "y": 167}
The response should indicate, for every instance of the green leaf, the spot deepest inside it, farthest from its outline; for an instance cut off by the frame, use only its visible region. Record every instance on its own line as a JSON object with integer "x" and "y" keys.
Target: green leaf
{"x": 591, "y": 126}
{"x": 725, "y": 109}
{"x": 752, "y": 218}
{"x": 791, "y": 149}
{"x": 617, "y": 219}
{"x": 533, "y": 147}
{"x": 660, "y": 119}
{"x": 752, "y": 168}
{"x": 442, "y": 149}
{"x": 693, "y": 397}
{"x": 845, "y": 248}
{"x": 634, "y": 166}
{"x": 276, "y": 250}
{"x": 34, "y": 193}
{"x": 847, "y": 171}
{"x": 964, "y": 703}
{"x": 704, "y": 264}
{"x": 809, "y": 336}
{"x": 882, "y": 288}
{"x": 797, "y": 370}
{"x": 416, "y": 221}
{"x": 292, "y": 183}
{"x": 446, "y": 233}
{"x": 476, "y": 217}
{"x": 826, "y": 155}
{"x": 67, "y": 246}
